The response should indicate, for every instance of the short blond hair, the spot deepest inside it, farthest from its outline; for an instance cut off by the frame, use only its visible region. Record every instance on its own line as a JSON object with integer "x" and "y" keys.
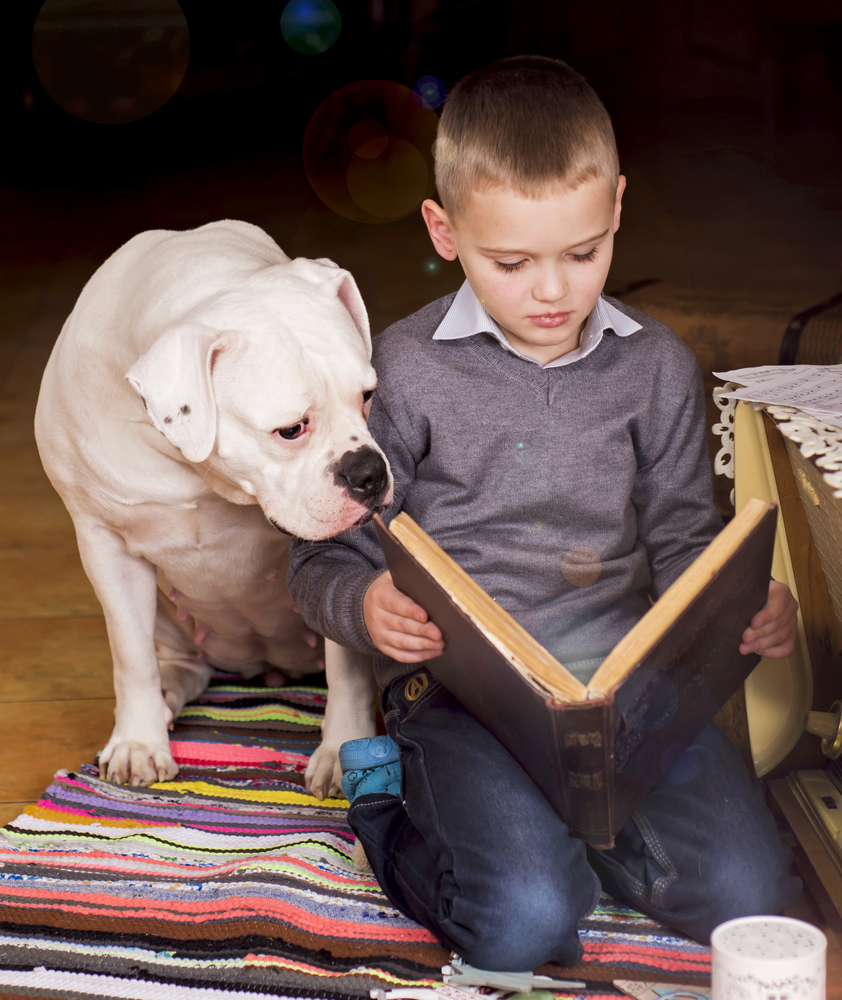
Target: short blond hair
{"x": 525, "y": 122}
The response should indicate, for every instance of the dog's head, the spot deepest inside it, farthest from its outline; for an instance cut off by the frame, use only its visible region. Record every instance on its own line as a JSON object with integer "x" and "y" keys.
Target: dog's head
{"x": 267, "y": 389}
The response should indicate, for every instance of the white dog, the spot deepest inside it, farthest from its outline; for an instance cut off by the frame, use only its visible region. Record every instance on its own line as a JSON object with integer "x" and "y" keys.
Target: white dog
{"x": 206, "y": 399}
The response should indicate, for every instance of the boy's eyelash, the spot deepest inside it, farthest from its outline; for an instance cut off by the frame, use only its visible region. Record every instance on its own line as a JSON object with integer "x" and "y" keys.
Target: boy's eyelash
{"x": 582, "y": 257}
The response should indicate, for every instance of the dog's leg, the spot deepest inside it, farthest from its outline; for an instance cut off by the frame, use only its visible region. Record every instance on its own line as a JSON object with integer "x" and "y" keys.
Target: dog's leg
{"x": 349, "y": 715}
{"x": 138, "y": 752}
{"x": 184, "y": 675}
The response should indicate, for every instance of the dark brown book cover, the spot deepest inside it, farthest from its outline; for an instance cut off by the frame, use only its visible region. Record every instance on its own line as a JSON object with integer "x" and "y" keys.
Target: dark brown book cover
{"x": 597, "y": 760}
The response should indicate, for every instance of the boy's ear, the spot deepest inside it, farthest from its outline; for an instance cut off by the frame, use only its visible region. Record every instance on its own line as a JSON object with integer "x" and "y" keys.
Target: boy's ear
{"x": 440, "y": 229}
{"x": 618, "y": 206}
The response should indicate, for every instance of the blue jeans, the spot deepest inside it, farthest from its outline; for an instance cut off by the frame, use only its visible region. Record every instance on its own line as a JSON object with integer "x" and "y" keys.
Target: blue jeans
{"x": 474, "y": 852}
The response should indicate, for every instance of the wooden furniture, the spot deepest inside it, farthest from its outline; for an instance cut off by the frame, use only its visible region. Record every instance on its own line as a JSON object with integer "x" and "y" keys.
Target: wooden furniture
{"x": 812, "y": 536}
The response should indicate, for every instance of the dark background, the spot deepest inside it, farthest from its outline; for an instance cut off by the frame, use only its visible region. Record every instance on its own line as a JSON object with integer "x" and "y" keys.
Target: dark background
{"x": 727, "y": 114}
{"x": 776, "y": 63}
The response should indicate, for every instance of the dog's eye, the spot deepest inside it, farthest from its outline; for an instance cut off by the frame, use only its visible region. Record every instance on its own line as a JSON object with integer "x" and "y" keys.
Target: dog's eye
{"x": 294, "y": 431}
{"x": 367, "y": 395}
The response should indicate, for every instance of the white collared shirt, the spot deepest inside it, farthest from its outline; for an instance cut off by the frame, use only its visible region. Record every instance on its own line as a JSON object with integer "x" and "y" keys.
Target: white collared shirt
{"x": 466, "y": 316}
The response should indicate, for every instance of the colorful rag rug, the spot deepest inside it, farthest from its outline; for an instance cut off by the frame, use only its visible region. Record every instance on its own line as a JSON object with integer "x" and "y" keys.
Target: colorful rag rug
{"x": 232, "y": 881}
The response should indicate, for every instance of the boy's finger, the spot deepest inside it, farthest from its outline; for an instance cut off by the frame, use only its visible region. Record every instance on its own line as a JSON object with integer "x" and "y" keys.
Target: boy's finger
{"x": 783, "y": 623}
{"x": 400, "y": 640}
{"x": 410, "y": 626}
{"x": 408, "y": 656}
{"x": 770, "y": 640}
{"x": 404, "y": 606}
{"x": 398, "y": 644}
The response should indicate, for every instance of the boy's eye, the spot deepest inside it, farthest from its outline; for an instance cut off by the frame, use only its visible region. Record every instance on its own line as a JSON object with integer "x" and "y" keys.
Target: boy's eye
{"x": 508, "y": 268}
{"x": 590, "y": 255}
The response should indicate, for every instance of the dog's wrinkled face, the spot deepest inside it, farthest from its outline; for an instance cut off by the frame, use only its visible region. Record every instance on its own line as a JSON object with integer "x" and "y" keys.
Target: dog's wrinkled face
{"x": 292, "y": 432}
{"x": 281, "y": 420}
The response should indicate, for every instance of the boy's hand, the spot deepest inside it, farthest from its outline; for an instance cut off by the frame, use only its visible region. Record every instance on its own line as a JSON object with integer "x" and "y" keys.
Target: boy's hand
{"x": 397, "y": 625}
{"x": 772, "y": 630}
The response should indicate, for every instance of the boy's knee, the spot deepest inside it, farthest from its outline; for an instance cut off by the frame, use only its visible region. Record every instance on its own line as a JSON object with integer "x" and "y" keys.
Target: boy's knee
{"x": 742, "y": 882}
{"x": 527, "y": 925}
{"x": 753, "y": 886}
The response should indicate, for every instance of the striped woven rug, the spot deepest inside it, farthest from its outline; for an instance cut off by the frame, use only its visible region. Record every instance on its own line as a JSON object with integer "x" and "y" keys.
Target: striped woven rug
{"x": 232, "y": 881}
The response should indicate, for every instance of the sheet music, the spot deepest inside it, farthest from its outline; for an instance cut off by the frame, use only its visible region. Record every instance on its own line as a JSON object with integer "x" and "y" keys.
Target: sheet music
{"x": 813, "y": 389}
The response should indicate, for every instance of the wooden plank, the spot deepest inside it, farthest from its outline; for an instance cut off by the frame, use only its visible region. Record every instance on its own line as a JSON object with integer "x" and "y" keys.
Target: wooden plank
{"x": 38, "y": 738}
{"x": 55, "y": 659}
{"x": 11, "y": 810}
{"x": 45, "y": 583}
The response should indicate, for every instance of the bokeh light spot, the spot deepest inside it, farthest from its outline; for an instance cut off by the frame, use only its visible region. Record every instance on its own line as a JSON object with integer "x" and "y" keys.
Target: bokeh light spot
{"x": 310, "y": 26}
{"x": 368, "y": 138}
{"x": 581, "y": 567}
{"x": 111, "y": 63}
{"x": 444, "y": 150}
{"x": 431, "y": 266}
{"x": 429, "y": 92}
{"x": 365, "y": 151}
{"x": 648, "y": 700}
{"x": 389, "y": 185}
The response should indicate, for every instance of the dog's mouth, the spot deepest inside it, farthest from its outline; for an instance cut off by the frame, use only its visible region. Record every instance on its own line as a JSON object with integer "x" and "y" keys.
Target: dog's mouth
{"x": 369, "y": 514}
{"x": 363, "y": 519}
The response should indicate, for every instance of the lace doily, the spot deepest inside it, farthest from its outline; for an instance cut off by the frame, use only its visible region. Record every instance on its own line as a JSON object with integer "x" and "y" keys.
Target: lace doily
{"x": 723, "y": 462}
{"x": 816, "y": 440}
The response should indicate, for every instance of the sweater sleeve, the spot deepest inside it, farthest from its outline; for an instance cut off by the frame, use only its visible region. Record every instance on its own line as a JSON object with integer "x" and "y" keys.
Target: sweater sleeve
{"x": 328, "y": 579}
{"x": 673, "y": 492}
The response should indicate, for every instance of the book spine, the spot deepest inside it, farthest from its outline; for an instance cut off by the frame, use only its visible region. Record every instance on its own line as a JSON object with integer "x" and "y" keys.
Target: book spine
{"x": 584, "y": 748}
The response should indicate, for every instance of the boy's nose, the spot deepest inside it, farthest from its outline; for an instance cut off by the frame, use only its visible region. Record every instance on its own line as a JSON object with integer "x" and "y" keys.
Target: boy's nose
{"x": 551, "y": 287}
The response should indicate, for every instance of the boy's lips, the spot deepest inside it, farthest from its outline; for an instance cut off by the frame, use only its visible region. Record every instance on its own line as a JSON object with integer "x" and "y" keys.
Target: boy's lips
{"x": 550, "y": 320}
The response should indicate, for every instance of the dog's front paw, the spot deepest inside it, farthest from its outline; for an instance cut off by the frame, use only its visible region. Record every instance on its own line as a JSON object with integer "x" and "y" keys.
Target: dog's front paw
{"x": 323, "y": 776}
{"x": 359, "y": 859}
{"x": 129, "y": 762}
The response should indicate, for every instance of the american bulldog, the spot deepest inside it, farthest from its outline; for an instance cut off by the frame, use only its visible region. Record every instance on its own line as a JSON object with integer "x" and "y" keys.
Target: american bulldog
{"x": 207, "y": 399}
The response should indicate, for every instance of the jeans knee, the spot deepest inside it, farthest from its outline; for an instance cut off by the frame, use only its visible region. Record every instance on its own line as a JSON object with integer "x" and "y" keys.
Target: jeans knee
{"x": 743, "y": 890}
{"x": 737, "y": 885}
{"x": 524, "y": 929}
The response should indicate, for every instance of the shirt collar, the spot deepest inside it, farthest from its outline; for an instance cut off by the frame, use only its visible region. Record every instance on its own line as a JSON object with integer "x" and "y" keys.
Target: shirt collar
{"x": 466, "y": 317}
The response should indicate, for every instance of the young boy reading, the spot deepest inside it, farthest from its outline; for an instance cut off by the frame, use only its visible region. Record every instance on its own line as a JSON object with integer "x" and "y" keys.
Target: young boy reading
{"x": 553, "y": 442}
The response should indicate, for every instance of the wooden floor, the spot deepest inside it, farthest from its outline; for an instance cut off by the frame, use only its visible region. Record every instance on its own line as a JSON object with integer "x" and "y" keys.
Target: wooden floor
{"x": 56, "y": 694}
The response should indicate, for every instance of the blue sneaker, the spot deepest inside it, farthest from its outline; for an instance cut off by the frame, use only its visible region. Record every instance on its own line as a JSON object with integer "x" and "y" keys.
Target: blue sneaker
{"x": 370, "y": 766}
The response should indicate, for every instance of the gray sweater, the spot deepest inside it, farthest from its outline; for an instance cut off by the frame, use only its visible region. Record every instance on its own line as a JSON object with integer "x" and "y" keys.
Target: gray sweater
{"x": 570, "y": 494}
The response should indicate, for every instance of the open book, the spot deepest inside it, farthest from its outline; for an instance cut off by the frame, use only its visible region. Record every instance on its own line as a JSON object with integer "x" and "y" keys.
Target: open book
{"x": 597, "y": 750}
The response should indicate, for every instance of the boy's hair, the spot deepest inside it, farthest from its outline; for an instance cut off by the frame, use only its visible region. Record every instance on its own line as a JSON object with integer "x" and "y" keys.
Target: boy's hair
{"x": 524, "y": 122}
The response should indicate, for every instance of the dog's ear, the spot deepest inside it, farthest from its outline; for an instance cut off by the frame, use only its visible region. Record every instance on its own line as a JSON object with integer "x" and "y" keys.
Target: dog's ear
{"x": 341, "y": 284}
{"x": 173, "y": 379}
{"x": 349, "y": 296}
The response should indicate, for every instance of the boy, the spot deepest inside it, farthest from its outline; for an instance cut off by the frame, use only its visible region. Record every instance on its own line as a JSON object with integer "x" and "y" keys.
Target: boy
{"x": 553, "y": 442}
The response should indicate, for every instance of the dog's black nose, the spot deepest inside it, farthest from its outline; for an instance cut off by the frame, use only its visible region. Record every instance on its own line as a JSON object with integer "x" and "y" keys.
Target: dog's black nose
{"x": 363, "y": 473}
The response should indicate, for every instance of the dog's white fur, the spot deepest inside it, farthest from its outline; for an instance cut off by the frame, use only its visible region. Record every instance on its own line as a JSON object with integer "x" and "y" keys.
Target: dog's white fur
{"x": 158, "y": 422}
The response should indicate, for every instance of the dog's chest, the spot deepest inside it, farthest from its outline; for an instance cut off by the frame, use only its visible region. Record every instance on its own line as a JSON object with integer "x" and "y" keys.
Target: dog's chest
{"x": 216, "y": 554}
